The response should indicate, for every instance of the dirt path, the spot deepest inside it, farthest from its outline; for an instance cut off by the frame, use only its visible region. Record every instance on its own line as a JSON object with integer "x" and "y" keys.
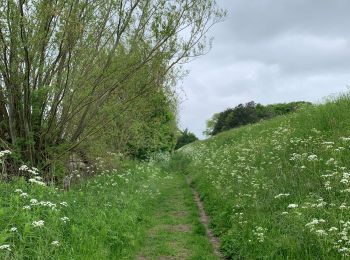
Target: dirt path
{"x": 214, "y": 241}
{"x": 176, "y": 230}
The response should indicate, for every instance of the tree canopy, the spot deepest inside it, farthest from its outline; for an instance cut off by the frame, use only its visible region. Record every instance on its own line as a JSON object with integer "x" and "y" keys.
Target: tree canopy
{"x": 186, "y": 137}
{"x": 72, "y": 70}
{"x": 248, "y": 113}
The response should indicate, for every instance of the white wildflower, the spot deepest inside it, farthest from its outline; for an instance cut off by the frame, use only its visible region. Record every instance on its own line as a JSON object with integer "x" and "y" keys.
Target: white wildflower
{"x": 5, "y": 247}
{"x": 293, "y": 206}
{"x": 282, "y": 195}
{"x": 24, "y": 195}
{"x": 312, "y": 157}
{"x": 5, "y": 152}
{"x": 55, "y": 243}
{"x": 37, "y": 182}
{"x": 330, "y": 161}
{"x": 34, "y": 201}
{"x": 24, "y": 168}
{"x": 64, "y": 204}
{"x": 65, "y": 219}
{"x": 13, "y": 229}
{"x": 38, "y": 223}
{"x": 321, "y": 232}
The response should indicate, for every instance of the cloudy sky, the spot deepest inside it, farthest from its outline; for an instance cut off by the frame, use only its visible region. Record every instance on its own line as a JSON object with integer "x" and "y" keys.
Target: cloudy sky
{"x": 269, "y": 51}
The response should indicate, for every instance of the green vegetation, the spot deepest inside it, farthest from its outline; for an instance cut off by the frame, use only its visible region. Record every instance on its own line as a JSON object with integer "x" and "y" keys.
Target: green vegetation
{"x": 248, "y": 114}
{"x": 104, "y": 217}
{"x": 76, "y": 74}
{"x": 141, "y": 211}
{"x": 85, "y": 88}
{"x": 186, "y": 137}
{"x": 279, "y": 189}
{"x": 175, "y": 230}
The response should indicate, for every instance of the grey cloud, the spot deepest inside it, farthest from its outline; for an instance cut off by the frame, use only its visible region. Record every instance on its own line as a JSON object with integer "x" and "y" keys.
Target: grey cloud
{"x": 270, "y": 51}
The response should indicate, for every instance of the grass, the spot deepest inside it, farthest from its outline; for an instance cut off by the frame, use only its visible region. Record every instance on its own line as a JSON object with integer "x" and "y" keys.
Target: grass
{"x": 105, "y": 218}
{"x": 175, "y": 231}
{"x": 143, "y": 211}
{"x": 278, "y": 189}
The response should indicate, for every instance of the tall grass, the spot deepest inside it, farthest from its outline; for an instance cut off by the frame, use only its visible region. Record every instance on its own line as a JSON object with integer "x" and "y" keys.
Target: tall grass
{"x": 279, "y": 189}
{"x": 104, "y": 218}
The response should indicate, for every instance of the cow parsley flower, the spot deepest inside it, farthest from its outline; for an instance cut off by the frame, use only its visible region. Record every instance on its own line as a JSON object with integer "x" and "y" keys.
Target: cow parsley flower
{"x": 312, "y": 157}
{"x": 5, "y": 152}
{"x": 13, "y": 229}
{"x": 32, "y": 180}
{"x": 65, "y": 219}
{"x": 34, "y": 201}
{"x": 321, "y": 232}
{"x": 332, "y": 229}
{"x": 281, "y": 195}
{"x": 39, "y": 223}
{"x": 24, "y": 195}
{"x": 293, "y": 206}
{"x": 5, "y": 247}
{"x": 24, "y": 168}
{"x": 64, "y": 204}
{"x": 55, "y": 243}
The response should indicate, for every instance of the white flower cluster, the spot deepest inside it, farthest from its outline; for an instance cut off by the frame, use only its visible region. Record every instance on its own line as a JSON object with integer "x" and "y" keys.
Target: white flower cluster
{"x": 4, "y": 153}
{"x": 312, "y": 158}
{"x": 259, "y": 232}
{"x": 282, "y": 195}
{"x": 39, "y": 223}
{"x": 35, "y": 172}
{"x": 13, "y": 229}
{"x": 293, "y": 206}
{"x": 65, "y": 219}
{"x": 5, "y": 247}
{"x": 314, "y": 222}
{"x": 55, "y": 243}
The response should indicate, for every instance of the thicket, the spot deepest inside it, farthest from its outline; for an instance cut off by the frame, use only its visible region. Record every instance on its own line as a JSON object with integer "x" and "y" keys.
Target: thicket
{"x": 185, "y": 137}
{"x": 94, "y": 76}
{"x": 248, "y": 113}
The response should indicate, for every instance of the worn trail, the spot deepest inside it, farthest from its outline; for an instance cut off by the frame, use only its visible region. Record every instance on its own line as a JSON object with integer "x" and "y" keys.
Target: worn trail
{"x": 178, "y": 229}
{"x": 205, "y": 222}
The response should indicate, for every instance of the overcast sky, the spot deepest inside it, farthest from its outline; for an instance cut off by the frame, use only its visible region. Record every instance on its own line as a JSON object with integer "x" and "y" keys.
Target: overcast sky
{"x": 269, "y": 51}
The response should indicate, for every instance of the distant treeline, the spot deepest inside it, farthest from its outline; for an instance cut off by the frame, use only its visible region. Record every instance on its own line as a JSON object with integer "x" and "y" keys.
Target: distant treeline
{"x": 248, "y": 113}
{"x": 185, "y": 137}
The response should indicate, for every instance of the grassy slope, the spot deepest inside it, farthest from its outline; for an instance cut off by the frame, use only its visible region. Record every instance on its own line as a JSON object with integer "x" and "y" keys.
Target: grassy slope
{"x": 279, "y": 189}
{"x": 108, "y": 216}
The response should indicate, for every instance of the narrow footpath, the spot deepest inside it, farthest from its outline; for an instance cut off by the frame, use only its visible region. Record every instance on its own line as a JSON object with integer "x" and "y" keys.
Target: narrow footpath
{"x": 175, "y": 230}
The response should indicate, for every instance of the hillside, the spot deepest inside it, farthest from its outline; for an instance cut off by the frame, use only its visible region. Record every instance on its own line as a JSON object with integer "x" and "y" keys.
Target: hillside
{"x": 278, "y": 189}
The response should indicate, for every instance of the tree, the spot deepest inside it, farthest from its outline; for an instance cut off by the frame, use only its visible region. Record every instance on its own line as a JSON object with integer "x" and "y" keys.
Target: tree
{"x": 249, "y": 113}
{"x": 211, "y": 124}
{"x": 186, "y": 137}
{"x": 63, "y": 63}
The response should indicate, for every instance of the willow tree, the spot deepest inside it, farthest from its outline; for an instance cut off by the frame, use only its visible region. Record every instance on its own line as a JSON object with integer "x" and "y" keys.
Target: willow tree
{"x": 62, "y": 61}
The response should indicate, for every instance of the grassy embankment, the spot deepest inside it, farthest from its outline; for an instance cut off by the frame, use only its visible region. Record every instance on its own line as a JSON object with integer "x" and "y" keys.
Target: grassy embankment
{"x": 279, "y": 189}
{"x": 104, "y": 218}
{"x": 138, "y": 212}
